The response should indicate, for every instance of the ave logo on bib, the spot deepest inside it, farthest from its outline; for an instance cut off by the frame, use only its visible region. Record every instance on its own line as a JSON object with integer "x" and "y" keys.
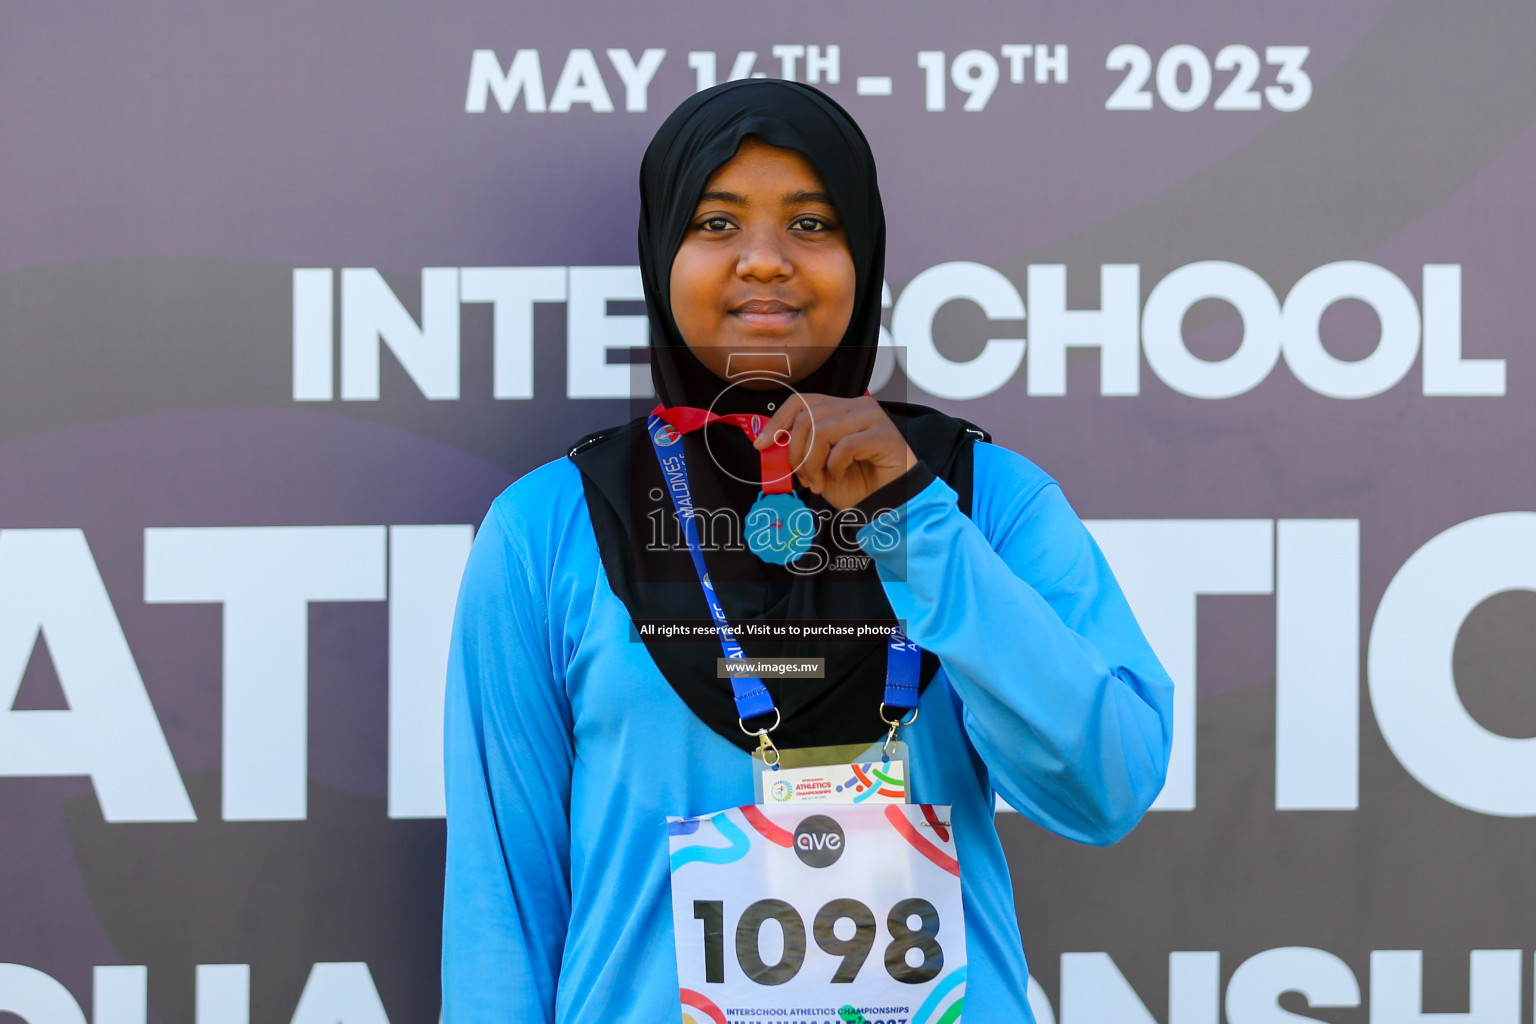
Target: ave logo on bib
{"x": 818, "y": 841}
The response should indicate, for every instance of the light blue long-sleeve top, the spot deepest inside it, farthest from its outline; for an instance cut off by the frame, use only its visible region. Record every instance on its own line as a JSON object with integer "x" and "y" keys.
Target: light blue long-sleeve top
{"x": 566, "y": 749}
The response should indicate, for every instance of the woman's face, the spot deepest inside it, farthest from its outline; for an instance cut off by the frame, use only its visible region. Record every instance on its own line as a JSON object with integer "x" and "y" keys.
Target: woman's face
{"x": 763, "y": 282}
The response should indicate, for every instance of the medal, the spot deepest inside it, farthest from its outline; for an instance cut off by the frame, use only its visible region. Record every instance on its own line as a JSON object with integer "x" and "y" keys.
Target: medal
{"x": 779, "y": 528}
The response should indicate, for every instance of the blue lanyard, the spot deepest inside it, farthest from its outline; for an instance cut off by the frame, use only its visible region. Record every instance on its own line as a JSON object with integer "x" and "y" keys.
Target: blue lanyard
{"x": 902, "y": 662}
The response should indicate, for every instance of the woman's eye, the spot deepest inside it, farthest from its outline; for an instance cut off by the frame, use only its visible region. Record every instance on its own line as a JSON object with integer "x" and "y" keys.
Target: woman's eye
{"x": 714, "y": 224}
{"x": 810, "y": 224}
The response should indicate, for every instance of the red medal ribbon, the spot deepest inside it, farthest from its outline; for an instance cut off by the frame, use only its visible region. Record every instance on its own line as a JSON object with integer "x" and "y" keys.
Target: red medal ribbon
{"x": 778, "y": 478}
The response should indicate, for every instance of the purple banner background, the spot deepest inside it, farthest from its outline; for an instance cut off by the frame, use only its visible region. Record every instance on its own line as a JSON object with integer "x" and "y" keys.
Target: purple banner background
{"x": 166, "y": 166}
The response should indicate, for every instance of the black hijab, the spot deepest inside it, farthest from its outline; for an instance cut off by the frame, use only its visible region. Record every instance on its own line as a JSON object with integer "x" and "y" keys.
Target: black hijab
{"x": 647, "y": 566}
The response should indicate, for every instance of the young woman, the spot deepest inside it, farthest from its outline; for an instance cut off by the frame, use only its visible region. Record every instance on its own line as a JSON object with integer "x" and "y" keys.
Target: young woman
{"x": 572, "y": 735}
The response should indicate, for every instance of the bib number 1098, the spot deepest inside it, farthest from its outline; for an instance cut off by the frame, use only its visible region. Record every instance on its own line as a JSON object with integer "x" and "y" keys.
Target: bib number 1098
{"x": 829, "y": 920}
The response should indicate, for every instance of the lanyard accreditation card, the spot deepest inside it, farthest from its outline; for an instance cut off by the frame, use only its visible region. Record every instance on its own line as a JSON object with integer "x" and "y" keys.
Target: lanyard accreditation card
{"x": 844, "y": 912}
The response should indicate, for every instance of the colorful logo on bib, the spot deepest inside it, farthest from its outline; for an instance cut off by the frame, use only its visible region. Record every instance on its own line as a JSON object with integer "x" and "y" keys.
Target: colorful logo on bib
{"x": 946, "y": 1002}
{"x": 666, "y": 435}
{"x": 868, "y": 781}
{"x": 782, "y": 791}
{"x": 697, "y": 1009}
{"x": 819, "y": 841}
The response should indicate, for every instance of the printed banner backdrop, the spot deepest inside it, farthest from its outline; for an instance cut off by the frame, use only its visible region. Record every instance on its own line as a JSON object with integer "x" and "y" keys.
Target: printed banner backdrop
{"x": 289, "y": 292}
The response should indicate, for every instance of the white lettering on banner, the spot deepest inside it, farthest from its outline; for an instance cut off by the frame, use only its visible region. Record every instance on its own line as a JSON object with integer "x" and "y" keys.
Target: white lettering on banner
{"x": 1163, "y": 565}
{"x": 974, "y": 73}
{"x": 51, "y": 589}
{"x": 788, "y": 54}
{"x": 119, "y": 995}
{"x": 36, "y": 997}
{"x": 1317, "y": 664}
{"x": 1162, "y": 330}
{"x": 371, "y": 313}
{"x": 1291, "y": 91}
{"x": 314, "y": 340}
{"x": 223, "y": 994}
{"x": 1412, "y": 686}
{"x": 591, "y": 331}
{"x": 1093, "y": 991}
{"x": 932, "y": 63}
{"x": 335, "y": 993}
{"x": 1194, "y": 988}
{"x": 1445, "y": 371}
{"x": 580, "y": 82}
{"x": 636, "y": 76}
{"x": 425, "y": 564}
{"x": 1183, "y": 57}
{"x": 1016, "y": 54}
{"x": 265, "y": 577}
{"x": 912, "y": 329}
{"x": 1119, "y": 329}
{"x": 340, "y": 993}
{"x": 1322, "y": 979}
{"x": 511, "y": 291}
{"x": 1112, "y": 329}
{"x": 1239, "y": 93}
{"x": 824, "y": 64}
{"x": 486, "y": 79}
{"x": 1391, "y": 301}
{"x": 1494, "y": 988}
{"x": 1051, "y": 64}
{"x": 703, "y": 64}
{"x": 741, "y": 67}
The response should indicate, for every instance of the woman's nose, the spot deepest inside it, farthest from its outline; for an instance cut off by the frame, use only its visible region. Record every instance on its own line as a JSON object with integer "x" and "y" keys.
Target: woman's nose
{"x": 763, "y": 257}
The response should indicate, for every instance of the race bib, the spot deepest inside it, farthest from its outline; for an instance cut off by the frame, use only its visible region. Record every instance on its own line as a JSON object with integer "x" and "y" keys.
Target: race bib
{"x": 832, "y": 914}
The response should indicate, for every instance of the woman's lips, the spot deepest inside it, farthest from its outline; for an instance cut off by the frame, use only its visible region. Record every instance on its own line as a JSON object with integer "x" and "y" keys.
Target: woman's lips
{"x": 765, "y": 314}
